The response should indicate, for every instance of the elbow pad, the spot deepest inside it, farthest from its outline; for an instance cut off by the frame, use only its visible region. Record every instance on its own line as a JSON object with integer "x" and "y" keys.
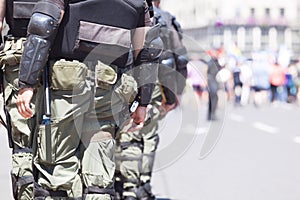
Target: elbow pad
{"x": 42, "y": 30}
{"x": 153, "y": 47}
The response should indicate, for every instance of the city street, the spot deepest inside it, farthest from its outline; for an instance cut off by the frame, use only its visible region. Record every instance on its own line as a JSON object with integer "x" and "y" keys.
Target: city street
{"x": 255, "y": 155}
{"x": 256, "y": 158}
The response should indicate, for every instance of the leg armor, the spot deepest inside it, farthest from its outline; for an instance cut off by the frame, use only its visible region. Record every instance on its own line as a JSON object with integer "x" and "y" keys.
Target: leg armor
{"x": 42, "y": 29}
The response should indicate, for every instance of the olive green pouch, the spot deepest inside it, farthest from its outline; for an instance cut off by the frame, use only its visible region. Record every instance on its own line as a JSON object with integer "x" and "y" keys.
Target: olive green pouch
{"x": 105, "y": 75}
{"x": 68, "y": 75}
{"x": 127, "y": 88}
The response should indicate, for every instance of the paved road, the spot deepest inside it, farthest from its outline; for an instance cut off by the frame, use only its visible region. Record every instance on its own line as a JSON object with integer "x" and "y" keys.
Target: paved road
{"x": 256, "y": 157}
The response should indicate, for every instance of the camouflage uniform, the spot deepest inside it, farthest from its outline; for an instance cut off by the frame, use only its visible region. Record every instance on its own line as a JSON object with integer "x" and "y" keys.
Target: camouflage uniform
{"x": 136, "y": 150}
{"x": 74, "y": 154}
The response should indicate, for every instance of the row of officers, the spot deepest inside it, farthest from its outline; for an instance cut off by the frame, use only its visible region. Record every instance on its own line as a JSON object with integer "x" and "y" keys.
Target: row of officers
{"x": 85, "y": 83}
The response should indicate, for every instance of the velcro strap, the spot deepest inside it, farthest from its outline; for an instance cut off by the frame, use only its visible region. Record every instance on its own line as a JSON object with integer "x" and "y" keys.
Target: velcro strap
{"x": 97, "y": 190}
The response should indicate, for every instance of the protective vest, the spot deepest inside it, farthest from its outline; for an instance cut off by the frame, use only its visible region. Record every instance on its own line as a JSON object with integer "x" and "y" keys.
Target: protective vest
{"x": 18, "y": 13}
{"x": 106, "y": 34}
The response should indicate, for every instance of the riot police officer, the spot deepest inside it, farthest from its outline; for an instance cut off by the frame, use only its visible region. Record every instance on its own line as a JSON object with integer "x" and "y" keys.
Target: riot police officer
{"x": 85, "y": 46}
{"x": 136, "y": 149}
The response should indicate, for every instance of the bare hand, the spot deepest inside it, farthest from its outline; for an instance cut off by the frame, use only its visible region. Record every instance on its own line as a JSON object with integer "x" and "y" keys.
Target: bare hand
{"x": 165, "y": 108}
{"x": 138, "y": 118}
{"x": 23, "y": 102}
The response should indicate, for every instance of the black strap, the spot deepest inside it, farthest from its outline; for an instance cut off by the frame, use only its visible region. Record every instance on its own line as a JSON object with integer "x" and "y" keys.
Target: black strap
{"x": 127, "y": 158}
{"x": 125, "y": 145}
{"x": 41, "y": 192}
{"x": 98, "y": 190}
{"x": 131, "y": 180}
{"x": 24, "y": 180}
{"x": 22, "y": 150}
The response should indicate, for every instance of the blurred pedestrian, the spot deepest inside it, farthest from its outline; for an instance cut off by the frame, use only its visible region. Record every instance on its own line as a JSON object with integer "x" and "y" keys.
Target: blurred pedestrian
{"x": 213, "y": 67}
{"x": 277, "y": 81}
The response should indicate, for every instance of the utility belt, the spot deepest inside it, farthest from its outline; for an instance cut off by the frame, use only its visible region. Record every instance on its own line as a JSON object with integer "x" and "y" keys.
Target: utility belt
{"x": 72, "y": 75}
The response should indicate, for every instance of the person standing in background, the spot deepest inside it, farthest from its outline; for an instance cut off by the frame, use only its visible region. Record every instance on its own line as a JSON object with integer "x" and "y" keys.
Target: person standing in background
{"x": 213, "y": 67}
{"x": 136, "y": 149}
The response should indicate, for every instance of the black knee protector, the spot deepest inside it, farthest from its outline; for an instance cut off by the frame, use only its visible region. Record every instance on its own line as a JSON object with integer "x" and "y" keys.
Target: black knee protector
{"x": 42, "y": 30}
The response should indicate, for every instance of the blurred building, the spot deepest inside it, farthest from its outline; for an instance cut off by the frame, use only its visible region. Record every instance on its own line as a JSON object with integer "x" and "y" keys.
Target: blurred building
{"x": 249, "y": 24}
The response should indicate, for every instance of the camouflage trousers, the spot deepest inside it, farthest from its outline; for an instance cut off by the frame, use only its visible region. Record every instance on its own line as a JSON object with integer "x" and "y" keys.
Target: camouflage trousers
{"x": 21, "y": 173}
{"x": 135, "y": 155}
{"x": 74, "y": 155}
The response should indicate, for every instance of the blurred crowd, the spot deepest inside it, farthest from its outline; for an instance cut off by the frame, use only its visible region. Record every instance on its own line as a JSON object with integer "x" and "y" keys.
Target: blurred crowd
{"x": 261, "y": 78}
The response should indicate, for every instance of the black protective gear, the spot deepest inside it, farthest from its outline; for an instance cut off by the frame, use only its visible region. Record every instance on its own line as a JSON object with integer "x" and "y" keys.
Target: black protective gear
{"x": 147, "y": 62}
{"x": 98, "y": 190}
{"x": 40, "y": 193}
{"x": 167, "y": 78}
{"x": 42, "y": 29}
{"x": 164, "y": 20}
{"x": 181, "y": 63}
{"x": 103, "y": 34}
{"x": 181, "y": 67}
{"x": 146, "y": 79}
{"x": 153, "y": 46}
{"x": 177, "y": 26}
{"x": 150, "y": 5}
{"x": 18, "y": 13}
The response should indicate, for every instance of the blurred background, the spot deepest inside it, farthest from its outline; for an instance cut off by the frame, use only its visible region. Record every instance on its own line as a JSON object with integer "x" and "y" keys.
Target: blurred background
{"x": 251, "y": 152}
{"x": 251, "y": 24}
